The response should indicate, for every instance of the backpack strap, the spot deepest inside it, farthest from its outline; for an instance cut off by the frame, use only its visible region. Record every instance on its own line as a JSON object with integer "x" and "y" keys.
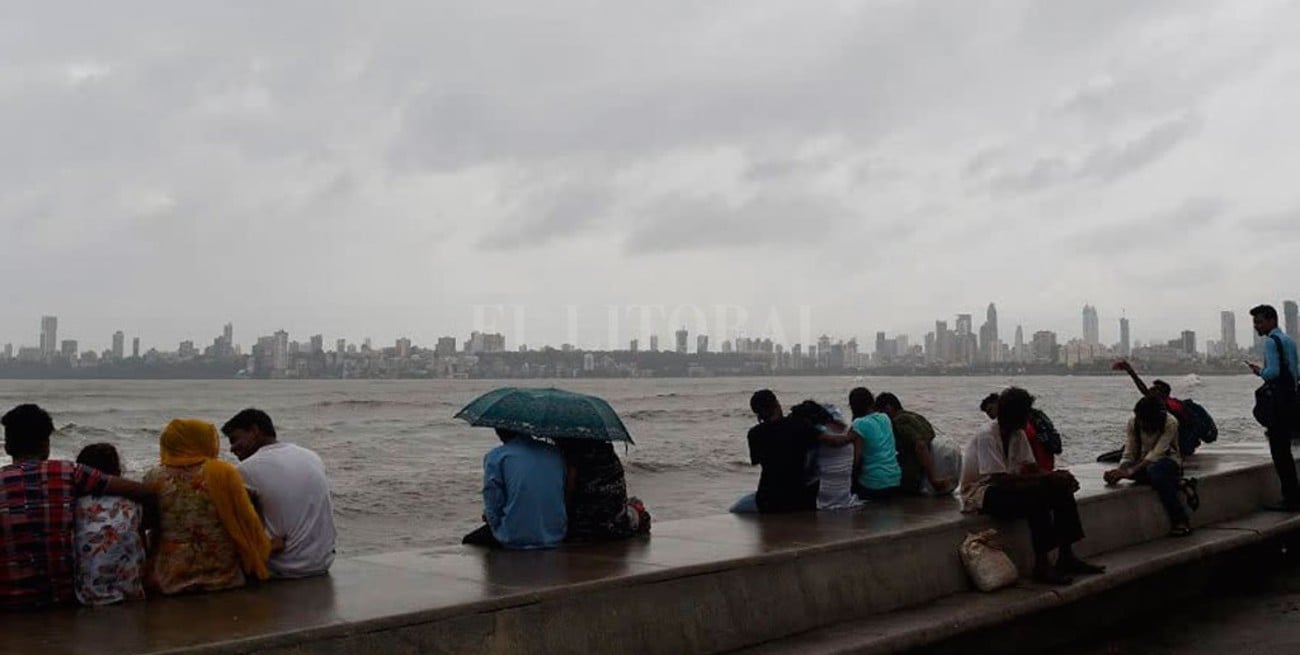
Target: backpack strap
{"x": 1281, "y": 357}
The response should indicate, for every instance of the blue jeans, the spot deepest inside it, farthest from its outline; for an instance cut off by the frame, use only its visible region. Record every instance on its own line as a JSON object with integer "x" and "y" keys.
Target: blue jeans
{"x": 1164, "y": 476}
{"x": 747, "y": 504}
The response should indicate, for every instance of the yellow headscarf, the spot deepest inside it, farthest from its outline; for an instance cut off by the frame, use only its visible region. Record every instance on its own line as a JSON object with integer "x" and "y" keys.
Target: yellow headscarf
{"x": 186, "y": 442}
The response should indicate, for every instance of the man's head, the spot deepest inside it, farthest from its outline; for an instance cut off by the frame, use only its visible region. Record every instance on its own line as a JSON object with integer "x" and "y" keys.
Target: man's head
{"x": 1150, "y": 413}
{"x": 990, "y": 406}
{"x": 888, "y": 404}
{"x": 248, "y": 431}
{"x": 1014, "y": 405}
{"x": 1161, "y": 389}
{"x": 1265, "y": 319}
{"x": 27, "y": 432}
{"x": 861, "y": 402}
{"x": 764, "y": 405}
{"x": 506, "y": 436}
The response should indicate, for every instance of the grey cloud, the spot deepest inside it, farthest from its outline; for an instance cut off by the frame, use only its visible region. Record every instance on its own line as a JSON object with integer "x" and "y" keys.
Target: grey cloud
{"x": 1110, "y": 162}
{"x": 711, "y": 222}
{"x": 553, "y": 215}
{"x": 1157, "y": 233}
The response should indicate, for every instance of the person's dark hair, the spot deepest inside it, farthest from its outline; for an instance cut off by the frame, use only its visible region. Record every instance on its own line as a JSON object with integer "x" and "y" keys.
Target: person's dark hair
{"x": 583, "y": 447}
{"x": 990, "y": 400}
{"x": 812, "y": 412}
{"x": 27, "y": 430}
{"x": 1161, "y": 387}
{"x": 250, "y": 418}
{"x": 1014, "y": 405}
{"x": 762, "y": 401}
{"x": 101, "y": 457}
{"x": 861, "y": 401}
{"x": 1150, "y": 413}
{"x": 888, "y": 400}
{"x": 507, "y": 434}
{"x": 1266, "y": 312}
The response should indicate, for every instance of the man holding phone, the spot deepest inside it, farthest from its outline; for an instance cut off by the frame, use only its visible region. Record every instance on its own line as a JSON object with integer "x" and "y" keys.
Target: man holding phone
{"x": 1276, "y": 402}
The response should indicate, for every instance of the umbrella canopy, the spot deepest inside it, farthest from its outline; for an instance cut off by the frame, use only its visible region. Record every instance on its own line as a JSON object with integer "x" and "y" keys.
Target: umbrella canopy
{"x": 549, "y": 413}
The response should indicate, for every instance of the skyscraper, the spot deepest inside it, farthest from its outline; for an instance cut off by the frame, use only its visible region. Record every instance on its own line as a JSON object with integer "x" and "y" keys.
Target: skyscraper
{"x": 1228, "y": 332}
{"x": 228, "y": 333}
{"x": 135, "y": 347}
{"x": 1125, "y": 345}
{"x": 1292, "y": 314}
{"x": 1091, "y": 326}
{"x": 119, "y": 345}
{"x": 654, "y": 343}
{"x": 682, "y": 335}
{"x": 702, "y": 343}
{"x": 49, "y": 335}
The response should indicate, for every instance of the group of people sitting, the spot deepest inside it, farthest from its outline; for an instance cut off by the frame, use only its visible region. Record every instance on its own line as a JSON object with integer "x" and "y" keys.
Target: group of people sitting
{"x": 814, "y": 459}
{"x": 538, "y": 494}
{"x": 80, "y": 532}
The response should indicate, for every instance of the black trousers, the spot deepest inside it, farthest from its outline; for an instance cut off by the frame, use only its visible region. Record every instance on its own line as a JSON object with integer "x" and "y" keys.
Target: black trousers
{"x": 1279, "y": 446}
{"x": 1050, "y": 510}
{"x": 481, "y": 537}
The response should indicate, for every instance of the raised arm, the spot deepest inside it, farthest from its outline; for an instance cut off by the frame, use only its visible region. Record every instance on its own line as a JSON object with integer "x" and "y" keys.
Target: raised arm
{"x": 1124, "y": 365}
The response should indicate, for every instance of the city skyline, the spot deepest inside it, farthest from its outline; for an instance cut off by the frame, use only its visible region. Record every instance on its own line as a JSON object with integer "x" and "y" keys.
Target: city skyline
{"x": 685, "y": 340}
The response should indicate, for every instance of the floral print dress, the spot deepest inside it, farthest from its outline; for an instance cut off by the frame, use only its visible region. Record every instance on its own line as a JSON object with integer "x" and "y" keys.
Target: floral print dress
{"x": 194, "y": 553}
{"x": 110, "y": 552}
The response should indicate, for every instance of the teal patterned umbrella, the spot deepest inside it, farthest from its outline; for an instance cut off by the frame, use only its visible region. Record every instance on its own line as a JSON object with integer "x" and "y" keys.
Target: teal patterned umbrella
{"x": 548, "y": 413}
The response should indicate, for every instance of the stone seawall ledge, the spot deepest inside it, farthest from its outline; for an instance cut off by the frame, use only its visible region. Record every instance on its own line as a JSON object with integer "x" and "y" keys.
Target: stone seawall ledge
{"x": 885, "y": 578}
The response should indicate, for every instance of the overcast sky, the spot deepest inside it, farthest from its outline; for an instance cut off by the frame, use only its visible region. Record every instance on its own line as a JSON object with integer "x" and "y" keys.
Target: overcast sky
{"x": 380, "y": 168}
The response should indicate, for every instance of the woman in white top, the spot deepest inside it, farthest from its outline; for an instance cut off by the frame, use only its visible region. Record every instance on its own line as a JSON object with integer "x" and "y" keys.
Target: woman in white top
{"x": 835, "y": 464}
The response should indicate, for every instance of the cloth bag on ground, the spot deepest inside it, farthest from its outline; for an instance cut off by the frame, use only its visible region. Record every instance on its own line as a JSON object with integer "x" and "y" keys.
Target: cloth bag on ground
{"x": 986, "y": 561}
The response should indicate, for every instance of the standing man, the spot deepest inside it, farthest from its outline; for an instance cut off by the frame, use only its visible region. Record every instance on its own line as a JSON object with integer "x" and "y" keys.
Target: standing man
{"x": 292, "y": 492}
{"x": 38, "y": 498}
{"x": 1279, "y": 416}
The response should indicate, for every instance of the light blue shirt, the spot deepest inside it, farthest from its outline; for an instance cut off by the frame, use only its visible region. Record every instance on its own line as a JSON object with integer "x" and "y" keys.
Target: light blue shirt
{"x": 1272, "y": 363}
{"x": 523, "y": 494}
{"x": 880, "y": 468}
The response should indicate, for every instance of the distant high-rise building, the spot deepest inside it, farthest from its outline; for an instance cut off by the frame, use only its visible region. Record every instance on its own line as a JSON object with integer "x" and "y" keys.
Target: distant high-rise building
{"x": 1189, "y": 342}
{"x": 1044, "y": 347}
{"x": 316, "y": 345}
{"x": 341, "y": 345}
{"x": 280, "y": 351}
{"x": 1292, "y": 314}
{"x": 1091, "y": 326}
{"x": 403, "y": 348}
{"x": 9, "y": 351}
{"x": 228, "y": 333}
{"x": 989, "y": 344}
{"x": 1125, "y": 345}
{"x": 119, "y": 345}
{"x": 965, "y": 324}
{"x": 446, "y": 347}
{"x": 702, "y": 344}
{"x": 654, "y": 343}
{"x": 682, "y": 336}
{"x": 68, "y": 349}
{"x": 49, "y": 335}
{"x": 186, "y": 350}
{"x": 135, "y": 347}
{"x": 634, "y": 346}
{"x": 1227, "y": 333}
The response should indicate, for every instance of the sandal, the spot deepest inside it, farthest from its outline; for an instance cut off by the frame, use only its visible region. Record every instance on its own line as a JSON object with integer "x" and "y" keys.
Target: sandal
{"x": 1181, "y": 531}
{"x": 1190, "y": 493}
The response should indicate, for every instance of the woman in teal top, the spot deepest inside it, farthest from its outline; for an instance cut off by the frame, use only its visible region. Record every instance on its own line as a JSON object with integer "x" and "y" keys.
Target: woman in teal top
{"x": 879, "y": 475}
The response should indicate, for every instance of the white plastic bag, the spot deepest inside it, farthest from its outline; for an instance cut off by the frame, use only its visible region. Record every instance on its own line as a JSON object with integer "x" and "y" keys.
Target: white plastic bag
{"x": 987, "y": 562}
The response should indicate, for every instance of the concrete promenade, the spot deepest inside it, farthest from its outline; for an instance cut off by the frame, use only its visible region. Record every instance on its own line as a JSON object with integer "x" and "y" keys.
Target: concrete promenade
{"x": 882, "y": 579}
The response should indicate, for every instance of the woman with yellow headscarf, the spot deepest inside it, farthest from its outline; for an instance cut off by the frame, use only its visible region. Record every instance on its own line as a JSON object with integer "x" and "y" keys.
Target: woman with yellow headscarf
{"x": 211, "y": 536}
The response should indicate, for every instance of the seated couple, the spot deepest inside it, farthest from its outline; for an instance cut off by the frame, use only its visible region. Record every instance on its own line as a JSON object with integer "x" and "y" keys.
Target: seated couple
{"x": 1001, "y": 478}
{"x": 813, "y": 459}
{"x": 537, "y": 495}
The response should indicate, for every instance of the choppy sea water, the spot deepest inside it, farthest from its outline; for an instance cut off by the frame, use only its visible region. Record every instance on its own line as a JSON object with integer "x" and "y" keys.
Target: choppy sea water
{"x": 406, "y": 475}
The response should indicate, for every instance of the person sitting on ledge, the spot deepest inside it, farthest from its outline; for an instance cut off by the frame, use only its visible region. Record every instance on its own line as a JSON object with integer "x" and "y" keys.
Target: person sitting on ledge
{"x": 596, "y": 493}
{"x": 523, "y": 495}
{"x": 835, "y": 463}
{"x": 1151, "y": 457}
{"x": 38, "y": 499}
{"x": 1044, "y": 440}
{"x": 879, "y": 475}
{"x": 915, "y": 440}
{"x": 1001, "y": 479}
{"x": 109, "y": 538}
{"x": 292, "y": 491}
{"x": 785, "y": 448}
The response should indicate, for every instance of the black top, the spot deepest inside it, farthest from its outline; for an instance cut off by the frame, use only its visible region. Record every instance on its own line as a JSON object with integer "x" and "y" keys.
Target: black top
{"x": 785, "y": 449}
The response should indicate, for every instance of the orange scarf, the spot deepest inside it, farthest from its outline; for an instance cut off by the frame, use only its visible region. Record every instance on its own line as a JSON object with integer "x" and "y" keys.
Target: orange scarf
{"x": 187, "y": 442}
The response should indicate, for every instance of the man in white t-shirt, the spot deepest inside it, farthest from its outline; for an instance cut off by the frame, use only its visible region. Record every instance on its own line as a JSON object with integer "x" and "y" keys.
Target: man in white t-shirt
{"x": 292, "y": 493}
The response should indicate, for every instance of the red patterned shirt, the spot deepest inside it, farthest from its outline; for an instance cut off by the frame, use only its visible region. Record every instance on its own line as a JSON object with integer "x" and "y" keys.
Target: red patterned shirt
{"x": 37, "y": 514}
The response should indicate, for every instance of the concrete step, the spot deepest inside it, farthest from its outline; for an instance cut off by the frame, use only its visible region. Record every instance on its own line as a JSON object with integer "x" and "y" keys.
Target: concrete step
{"x": 969, "y": 612}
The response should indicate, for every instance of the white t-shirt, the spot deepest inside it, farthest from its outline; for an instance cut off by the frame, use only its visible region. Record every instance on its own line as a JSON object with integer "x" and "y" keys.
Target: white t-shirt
{"x": 294, "y": 492}
{"x": 984, "y": 458}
